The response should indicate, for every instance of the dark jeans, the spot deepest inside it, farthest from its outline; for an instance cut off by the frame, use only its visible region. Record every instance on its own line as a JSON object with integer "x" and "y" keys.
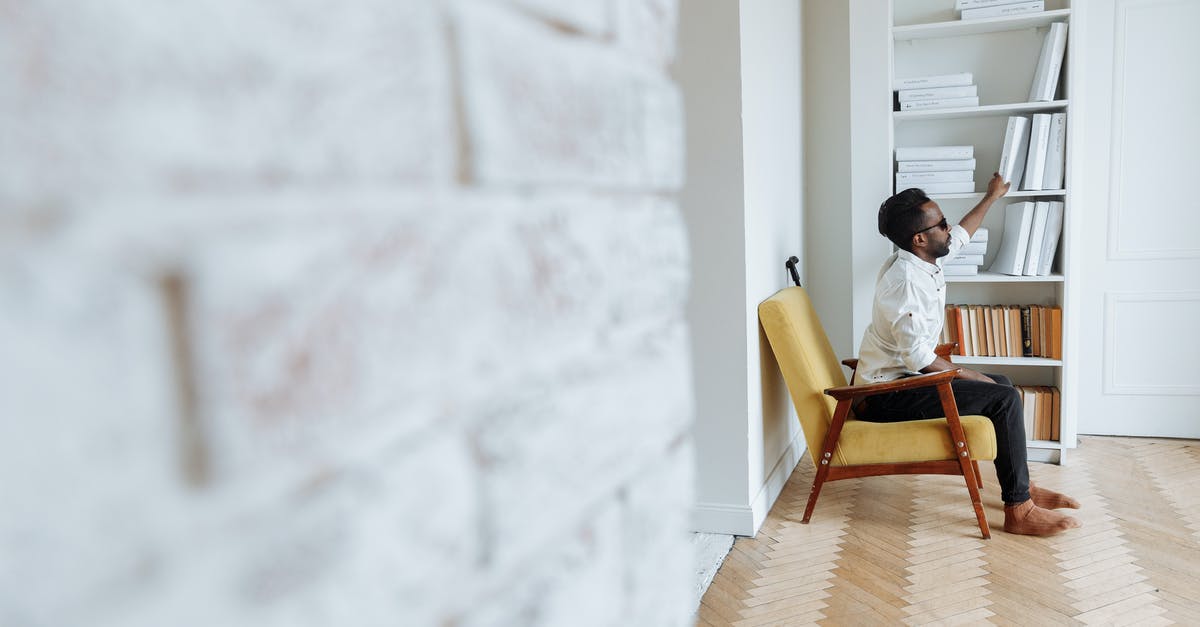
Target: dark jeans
{"x": 999, "y": 401}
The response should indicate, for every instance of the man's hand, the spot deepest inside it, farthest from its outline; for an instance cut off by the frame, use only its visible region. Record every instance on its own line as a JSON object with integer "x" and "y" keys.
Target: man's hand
{"x": 940, "y": 365}
{"x": 997, "y": 187}
{"x": 972, "y": 375}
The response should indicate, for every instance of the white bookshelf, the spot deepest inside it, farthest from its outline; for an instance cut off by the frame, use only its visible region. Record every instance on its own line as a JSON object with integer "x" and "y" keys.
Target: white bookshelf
{"x": 926, "y": 38}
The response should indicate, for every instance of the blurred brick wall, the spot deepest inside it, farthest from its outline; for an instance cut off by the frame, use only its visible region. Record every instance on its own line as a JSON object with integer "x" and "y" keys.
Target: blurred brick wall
{"x": 357, "y": 314}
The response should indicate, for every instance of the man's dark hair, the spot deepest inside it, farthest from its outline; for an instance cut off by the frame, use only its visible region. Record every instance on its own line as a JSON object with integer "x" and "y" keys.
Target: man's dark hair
{"x": 900, "y": 216}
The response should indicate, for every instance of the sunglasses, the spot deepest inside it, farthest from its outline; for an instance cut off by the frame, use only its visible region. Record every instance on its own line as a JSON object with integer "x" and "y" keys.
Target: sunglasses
{"x": 943, "y": 225}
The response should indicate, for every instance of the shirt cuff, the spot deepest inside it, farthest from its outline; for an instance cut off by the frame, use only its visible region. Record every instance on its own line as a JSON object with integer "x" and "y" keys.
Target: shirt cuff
{"x": 919, "y": 358}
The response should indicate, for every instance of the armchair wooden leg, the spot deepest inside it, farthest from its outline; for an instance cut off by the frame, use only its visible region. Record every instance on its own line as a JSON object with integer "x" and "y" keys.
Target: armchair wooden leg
{"x": 963, "y": 453}
{"x": 978, "y": 477}
{"x": 826, "y": 459}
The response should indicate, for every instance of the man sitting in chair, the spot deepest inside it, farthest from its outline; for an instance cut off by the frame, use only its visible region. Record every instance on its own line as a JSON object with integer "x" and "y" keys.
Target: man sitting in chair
{"x": 906, "y": 325}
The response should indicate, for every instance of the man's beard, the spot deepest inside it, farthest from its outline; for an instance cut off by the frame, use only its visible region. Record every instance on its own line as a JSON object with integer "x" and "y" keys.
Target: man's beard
{"x": 942, "y": 250}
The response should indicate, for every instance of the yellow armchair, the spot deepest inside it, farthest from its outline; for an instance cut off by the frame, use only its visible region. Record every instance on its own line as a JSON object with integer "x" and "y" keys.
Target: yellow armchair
{"x": 844, "y": 448}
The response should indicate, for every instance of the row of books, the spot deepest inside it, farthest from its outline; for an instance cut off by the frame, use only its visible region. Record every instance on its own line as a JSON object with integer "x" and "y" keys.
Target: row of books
{"x": 1033, "y": 156}
{"x": 945, "y": 91}
{"x": 936, "y": 169}
{"x": 1004, "y": 330}
{"x": 968, "y": 259}
{"x": 980, "y": 9}
{"x": 1030, "y": 238}
{"x": 1042, "y": 411}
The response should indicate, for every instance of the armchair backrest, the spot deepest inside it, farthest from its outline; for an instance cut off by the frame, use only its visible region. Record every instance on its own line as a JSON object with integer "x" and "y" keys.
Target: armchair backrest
{"x": 806, "y": 359}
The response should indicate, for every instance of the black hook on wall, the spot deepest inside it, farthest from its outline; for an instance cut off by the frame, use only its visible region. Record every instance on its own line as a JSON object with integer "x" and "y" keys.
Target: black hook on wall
{"x": 791, "y": 267}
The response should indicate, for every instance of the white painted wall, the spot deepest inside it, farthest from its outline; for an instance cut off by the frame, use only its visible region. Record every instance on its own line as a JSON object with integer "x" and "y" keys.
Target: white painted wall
{"x": 847, "y": 160}
{"x": 771, "y": 39}
{"x": 739, "y": 68}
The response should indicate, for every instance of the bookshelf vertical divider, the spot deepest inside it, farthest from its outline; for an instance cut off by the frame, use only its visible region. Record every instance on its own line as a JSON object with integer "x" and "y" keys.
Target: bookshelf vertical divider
{"x": 927, "y": 39}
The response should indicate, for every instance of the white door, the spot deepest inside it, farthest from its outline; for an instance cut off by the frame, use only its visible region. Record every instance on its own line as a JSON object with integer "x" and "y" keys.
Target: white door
{"x": 1137, "y": 177}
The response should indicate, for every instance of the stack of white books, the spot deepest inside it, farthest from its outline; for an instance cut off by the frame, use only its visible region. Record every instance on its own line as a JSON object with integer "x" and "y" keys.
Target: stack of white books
{"x": 1030, "y": 238}
{"x": 970, "y": 257}
{"x": 979, "y": 9}
{"x": 936, "y": 169}
{"x": 943, "y": 91}
{"x": 1033, "y": 156}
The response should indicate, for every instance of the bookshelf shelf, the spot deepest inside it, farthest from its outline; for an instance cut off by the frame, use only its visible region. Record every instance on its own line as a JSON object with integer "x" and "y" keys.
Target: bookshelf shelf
{"x": 1006, "y": 361}
{"x": 986, "y": 110}
{"x": 958, "y": 28}
{"x": 996, "y": 277}
{"x": 1051, "y": 444}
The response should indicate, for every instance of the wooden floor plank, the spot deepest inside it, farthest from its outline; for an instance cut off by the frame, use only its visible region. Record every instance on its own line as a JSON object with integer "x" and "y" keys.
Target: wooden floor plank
{"x": 906, "y": 549}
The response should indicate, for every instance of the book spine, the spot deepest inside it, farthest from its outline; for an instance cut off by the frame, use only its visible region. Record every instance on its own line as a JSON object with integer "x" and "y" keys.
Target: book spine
{"x": 1054, "y": 223}
{"x": 958, "y": 330}
{"x": 1055, "y": 152}
{"x": 935, "y": 166}
{"x": 949, "y": 176}
{"x": 1007, "y": 10}
{"x": 939, "y": 103}
{"x": 1045, "y": 78}
{"x": 975, "y": 4}
{"x": 965, "y": 260}
{"x": 960, "y": 187}
{"x": 935, "y": 153}
{"x": 1035, "y": 161}
{"x": 962, "y": 91}
{"x": 980, "y": 235}
{"x": 1026, "y": 332}
{"x": 926, "y": 82}
{"x": 1012, "y": 155}
{"x": 1033, "y": 253}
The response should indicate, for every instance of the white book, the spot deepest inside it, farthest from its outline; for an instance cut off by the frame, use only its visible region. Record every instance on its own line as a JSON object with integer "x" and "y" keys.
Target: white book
{"x": 917, "y": 178}
{"x": 959, "y": 187}
{"x": 973, "y": 248}
{"x": 1054, "y": 223}
{"x": 965, "y": 260}
{"x": 941, "y": 80}
{"x": 1056, "y": 152}
{"x": 932, "y": 93}
{"x": 1035, "y": 160}
{"x": 1037, "y": 233}
{"x": 1004, "y": 10}
{"x": 981, "y": 234}
{"x": 939, "y": 103}
{"x": 956, "y": 270}
{"x": 1010, "y": 259}
{"x": 1012, "y": 156}
{"x": 935, "y": 166}
{"x": 1045, "y": 78}
{"x": 975, "y": 4}
{"x": 934, "y": 153}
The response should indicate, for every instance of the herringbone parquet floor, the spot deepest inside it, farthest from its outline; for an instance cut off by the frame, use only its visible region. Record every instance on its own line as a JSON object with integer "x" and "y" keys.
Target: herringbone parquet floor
{"x": 906, "y": 549}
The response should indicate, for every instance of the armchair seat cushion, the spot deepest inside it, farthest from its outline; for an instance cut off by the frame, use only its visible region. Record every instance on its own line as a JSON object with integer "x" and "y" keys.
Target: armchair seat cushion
{"x": 865, "y": 442}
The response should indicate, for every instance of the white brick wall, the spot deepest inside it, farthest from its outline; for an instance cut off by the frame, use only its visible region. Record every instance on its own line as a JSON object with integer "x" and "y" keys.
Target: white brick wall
{"x": 360, "y": 317}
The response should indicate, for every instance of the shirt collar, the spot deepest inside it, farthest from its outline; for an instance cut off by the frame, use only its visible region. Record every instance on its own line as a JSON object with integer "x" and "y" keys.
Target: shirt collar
{"x": 921, "y": 264}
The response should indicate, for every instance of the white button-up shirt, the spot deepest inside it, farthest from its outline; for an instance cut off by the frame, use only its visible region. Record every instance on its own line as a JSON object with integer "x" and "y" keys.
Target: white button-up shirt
{"x": 907, "y": 315}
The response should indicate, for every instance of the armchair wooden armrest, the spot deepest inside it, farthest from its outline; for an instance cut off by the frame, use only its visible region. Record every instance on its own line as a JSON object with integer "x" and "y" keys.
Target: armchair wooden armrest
{"x": 851, "y": 363}
{"x": 846, "y": 392}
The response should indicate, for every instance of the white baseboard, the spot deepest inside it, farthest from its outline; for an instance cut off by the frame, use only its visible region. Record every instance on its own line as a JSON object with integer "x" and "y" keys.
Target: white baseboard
{"x": 778, "y": 478}
{"x": 744, "y": 520}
